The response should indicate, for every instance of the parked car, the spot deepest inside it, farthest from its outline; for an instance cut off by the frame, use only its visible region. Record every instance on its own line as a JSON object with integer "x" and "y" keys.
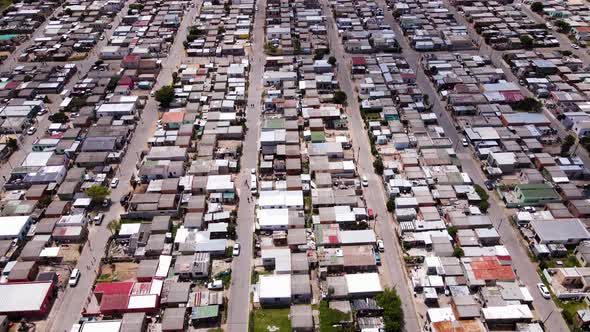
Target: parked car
{"x": 114, "y": 182}
{"x": 215, "y": 284}
{"x": 464, "y": 142}
{"x": 106, "y": 203}
{"x": 74, "y": 278}
{"x": 380, "y": 246}
{"x": 236, "y": 249}
{"x": 575, "y": 46}
{"x": 489, "y": 185}
{"x": 377, "y": 259}
{"x": 42, "y": 111}
{"x": 98, "y": 218}
{"x": 544, "y": 290}
{"x": 365, "y": 181}
{"x": 31, "y": 130}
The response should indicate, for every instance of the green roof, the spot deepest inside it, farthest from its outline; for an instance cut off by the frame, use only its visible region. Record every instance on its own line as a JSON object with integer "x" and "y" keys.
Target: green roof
{"x": 275, "y": 123}
{"x": 204, "y": 312}
{"x": 318, "y": 136}
{"x": 533, "y": 191}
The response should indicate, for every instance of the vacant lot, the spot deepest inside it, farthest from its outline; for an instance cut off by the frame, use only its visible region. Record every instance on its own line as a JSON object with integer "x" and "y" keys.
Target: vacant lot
{"x": 272, "y": 320}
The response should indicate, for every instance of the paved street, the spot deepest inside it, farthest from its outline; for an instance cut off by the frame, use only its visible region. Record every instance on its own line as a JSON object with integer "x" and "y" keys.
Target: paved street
{"x": 524, "y": 268}
{"x": 375, "y": 198}
{"x": 239, "y": 301}
{"x": 73, "y": 301}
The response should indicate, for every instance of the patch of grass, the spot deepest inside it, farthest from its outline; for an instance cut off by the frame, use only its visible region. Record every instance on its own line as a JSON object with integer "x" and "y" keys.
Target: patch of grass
{"x": 5, "y": 3}
{"x": 569, "y": 311}
{"x": 331, "y": 318}
{"x": 276, "y": 320}
{"x": 219, "y": 329}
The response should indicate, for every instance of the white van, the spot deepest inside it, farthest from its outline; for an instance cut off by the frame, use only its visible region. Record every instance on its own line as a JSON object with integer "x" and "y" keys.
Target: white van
{"x": 74, "y": 278}
{"x": 253, "y": 185}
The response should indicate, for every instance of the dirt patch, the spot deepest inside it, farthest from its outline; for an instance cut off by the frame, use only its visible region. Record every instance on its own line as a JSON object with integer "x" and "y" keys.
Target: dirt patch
{"x": 118, "y": 272}
{"x": 71, "y": 252}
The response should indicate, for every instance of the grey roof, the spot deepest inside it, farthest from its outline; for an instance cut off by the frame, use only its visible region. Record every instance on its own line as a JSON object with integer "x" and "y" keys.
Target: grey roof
{"x": 147, "y": 268}
{"x": 133, "y": 322}
{"x": 300, "y": 284}
{"x": 174, "y": 319}
{"x": 176, "y": 292}
{"x": 301, "y": 317}
{"x": 563, "y": 230}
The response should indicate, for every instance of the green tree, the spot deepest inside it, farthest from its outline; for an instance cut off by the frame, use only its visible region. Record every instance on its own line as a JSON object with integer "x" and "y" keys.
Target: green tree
{"x": 537, "y": 7}
{"x": 391, "y": 204}
{"x": 339, "y": 97}
{"x": 59, "y": 117}
{"x": 113, "y": 82}
{"x": 332, "y": 60}
{"x": 452, "y": 230}
{"x": 458, "y": 252}
{"x": 12, "y": 144}
{"x": 567, "y": 144}
{"x": 221, "y": 30}
{"x": 97, "y": 193}
{"x": 269, "y": 48}
{"x": 527, "y": 42}
{"x": 393, "y": 315}
{"x": 297, "y": 46}
{"x": 165, "y": 95}
{"x": 378, "y": 166}
{"x": 68, "y": 11}
{"x": 563, "y": 26}
{"x": 529, "y": 104}
{"x": 114, "y": 226}
{"x": 28, "y": 78}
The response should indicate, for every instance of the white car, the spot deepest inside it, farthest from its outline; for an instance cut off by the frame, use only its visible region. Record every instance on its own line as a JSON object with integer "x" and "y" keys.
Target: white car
{"x": 31, "y": 131}
{"x": 575, "y": 46}
{"x": 98, "y": 218}
{"x": 114, "y": 182}
{"x": 236, "y": 249}
{"x": 544, "y": 290}
{"x": 365, "y": 181}
{"x": 42, "y": 111}
{"x": 380, "y": 246}
{"x": 74, "y": 278}
{"x": 464, "y": 142}
{"x": 252, "y": 170}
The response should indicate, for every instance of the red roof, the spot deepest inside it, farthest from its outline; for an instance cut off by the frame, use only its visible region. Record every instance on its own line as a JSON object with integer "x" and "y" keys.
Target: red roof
{"x": 141, "y": 288}
{"x": 489, "y": 268}
{"x": 512, "y": 96}
{"x": 583, "y": 29}
{"x": 358, "y": 61}
{"x": 113, "y": 302}
{"x": 131, "y": 58}
{"x": 113, "y": 288}
{"x": 126, "y": 81}
{"x": 12, "y": 85}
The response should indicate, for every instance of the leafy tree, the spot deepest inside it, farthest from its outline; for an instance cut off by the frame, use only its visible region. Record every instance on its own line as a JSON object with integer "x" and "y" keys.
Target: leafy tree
{"x": 114, "y": 226}
{"x": 452, "y": 230}
{"x": 59, "y": 117}
{"x": 97, "y": 193}
{"x": 319, "y": 53}
{"x": 28, "y": 78}
{"x": 537, "y": 7}
{"x": 221, "y": 30}
{"x": 339, "y": 97}
{"x": 12, "y": 144}
{"x": 563, "y": 26}
{"x": 391, "y": 204}
{"x": 393, "y": 315}
{"x": 269, "y": 48}
{"x": 378, "y": 166}
{"x": 332, "y": 60}
{"x": 527, "y": 42}
{"x": 529, "y": 104}
{"x": 297, "y": 46}
{"x": 567, "y": 144}
{"x": 68, "y": 11}
{"x": 112, "y": 85}
{"x": 165, "y": 95}
{"x": 458, "y": 252}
